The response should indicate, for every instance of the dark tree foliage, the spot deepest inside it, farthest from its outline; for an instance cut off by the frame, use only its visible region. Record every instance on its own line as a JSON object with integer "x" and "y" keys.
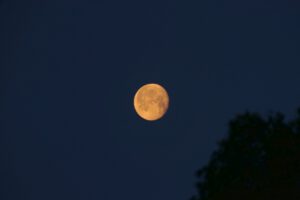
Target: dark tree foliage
{"x": 259, "y": 160}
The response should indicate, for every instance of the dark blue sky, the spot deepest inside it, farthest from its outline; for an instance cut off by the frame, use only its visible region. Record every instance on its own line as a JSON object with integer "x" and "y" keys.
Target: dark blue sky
{"x": 70, "y": 68}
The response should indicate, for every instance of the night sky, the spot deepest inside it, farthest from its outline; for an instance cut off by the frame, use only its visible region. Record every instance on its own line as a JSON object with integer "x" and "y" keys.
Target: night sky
{"x": 70, "y": 69}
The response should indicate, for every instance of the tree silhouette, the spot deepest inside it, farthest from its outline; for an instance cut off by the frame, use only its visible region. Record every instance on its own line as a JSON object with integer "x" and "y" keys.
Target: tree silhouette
{"x": 259, "y": 160}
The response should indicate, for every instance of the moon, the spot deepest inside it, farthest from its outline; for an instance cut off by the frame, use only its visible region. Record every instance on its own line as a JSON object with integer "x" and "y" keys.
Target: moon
{"x": 151, "y": 101}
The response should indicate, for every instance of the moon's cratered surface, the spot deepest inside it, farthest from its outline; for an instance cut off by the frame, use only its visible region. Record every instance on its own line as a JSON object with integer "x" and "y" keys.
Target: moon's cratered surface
{"x": 151, "y": 101}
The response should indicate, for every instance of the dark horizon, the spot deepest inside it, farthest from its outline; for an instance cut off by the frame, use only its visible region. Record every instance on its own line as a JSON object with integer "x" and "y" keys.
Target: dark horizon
{"x": 69, "y": 71}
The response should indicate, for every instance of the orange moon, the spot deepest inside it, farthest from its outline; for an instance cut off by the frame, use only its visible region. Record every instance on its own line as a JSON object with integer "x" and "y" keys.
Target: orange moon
{"x": 151, "y": 101}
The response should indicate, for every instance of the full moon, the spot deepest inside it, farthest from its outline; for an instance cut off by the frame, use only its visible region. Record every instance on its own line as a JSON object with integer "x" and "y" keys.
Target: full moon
{"x": 151, "y": 102}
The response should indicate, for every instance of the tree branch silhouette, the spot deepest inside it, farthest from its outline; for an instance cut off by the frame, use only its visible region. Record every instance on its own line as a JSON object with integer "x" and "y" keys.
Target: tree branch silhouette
{"x": 259, "y": 159}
